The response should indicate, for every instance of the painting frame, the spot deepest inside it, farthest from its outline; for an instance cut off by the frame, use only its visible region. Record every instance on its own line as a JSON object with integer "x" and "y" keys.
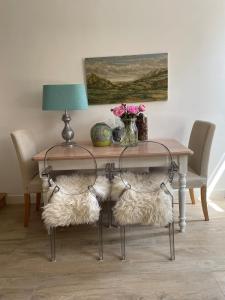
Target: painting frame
{"x": 127, "y": 78}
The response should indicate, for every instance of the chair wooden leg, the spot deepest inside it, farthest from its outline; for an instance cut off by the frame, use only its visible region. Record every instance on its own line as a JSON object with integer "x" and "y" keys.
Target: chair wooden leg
{"x": 192, "y": 195}
{"x": 204, "y": 202}
{"x": 26, "y": 209}
{"x": 38, "y": 201}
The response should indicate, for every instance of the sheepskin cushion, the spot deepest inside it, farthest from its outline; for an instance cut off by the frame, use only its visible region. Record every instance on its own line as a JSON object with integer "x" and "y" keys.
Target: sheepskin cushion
{"x": 69, "y": 206}
{"x": 134, "y": 207}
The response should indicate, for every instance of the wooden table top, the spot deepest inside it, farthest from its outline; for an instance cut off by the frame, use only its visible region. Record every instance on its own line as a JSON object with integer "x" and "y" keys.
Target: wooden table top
{"x": 141, "y": 150}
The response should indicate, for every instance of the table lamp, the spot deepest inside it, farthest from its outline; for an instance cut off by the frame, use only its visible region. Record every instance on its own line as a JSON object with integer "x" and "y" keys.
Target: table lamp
{"x": 65, "y": 97}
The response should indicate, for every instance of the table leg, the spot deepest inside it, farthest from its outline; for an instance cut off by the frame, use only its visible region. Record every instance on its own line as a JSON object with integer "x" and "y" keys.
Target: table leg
{"x": 182, "y": 201}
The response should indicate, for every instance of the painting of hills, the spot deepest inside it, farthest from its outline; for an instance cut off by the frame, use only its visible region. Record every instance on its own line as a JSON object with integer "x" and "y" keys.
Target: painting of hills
{"x": 126, "y": 79}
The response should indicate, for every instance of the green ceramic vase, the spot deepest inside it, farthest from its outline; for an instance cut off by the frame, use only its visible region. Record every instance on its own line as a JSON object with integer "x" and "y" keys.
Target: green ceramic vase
{"x": 101, "y": 135}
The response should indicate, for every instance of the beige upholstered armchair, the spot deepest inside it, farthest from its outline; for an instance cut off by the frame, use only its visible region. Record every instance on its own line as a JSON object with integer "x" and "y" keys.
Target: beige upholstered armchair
{"x": 25, "y": 149}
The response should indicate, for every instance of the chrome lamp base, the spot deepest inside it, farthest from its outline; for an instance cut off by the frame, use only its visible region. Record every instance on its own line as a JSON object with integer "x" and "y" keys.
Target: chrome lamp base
{"x": 67, "y": 132}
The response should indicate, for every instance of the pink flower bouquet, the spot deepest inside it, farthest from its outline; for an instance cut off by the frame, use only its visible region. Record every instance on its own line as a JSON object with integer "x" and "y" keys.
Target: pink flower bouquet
{"x": 129, "y": 115}
{"x": 124, "y": 111}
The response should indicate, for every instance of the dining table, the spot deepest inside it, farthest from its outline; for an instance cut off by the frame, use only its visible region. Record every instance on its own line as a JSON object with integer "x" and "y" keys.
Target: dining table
{"x": 60, "y": 157}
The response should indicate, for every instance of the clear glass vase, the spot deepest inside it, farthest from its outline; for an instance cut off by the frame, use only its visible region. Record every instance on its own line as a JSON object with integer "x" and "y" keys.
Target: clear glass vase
{"x": 130, "y": 133}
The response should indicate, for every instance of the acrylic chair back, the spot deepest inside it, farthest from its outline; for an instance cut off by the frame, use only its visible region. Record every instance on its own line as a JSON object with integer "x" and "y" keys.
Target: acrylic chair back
{"x": 159, "y": 170}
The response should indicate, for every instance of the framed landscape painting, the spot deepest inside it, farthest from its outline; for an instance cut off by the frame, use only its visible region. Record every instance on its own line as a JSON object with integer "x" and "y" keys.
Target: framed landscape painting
{"x": 126, "y": 79}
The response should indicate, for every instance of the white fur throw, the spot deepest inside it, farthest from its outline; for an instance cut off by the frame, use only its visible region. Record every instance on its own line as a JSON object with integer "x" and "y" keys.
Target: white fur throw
{"x": 132, "y": 207}
{"x": 68, "y": 207}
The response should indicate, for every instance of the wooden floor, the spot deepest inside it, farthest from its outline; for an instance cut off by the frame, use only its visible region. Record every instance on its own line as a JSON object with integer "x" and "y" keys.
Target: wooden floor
{"x": 197, "y": 273}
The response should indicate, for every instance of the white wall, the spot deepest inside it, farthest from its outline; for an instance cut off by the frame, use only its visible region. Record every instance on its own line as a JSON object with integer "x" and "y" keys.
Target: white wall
{"x": 45, "y": 41}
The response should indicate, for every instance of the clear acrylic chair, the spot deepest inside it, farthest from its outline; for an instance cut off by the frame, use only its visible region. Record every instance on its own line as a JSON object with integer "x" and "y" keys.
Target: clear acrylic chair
{"x": 73, "y": 198}
{"x": 143, "y": 195}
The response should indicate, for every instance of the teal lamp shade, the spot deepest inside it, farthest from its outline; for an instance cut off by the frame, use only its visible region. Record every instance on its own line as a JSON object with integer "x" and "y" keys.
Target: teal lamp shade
{"x": 64, "y": 97}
